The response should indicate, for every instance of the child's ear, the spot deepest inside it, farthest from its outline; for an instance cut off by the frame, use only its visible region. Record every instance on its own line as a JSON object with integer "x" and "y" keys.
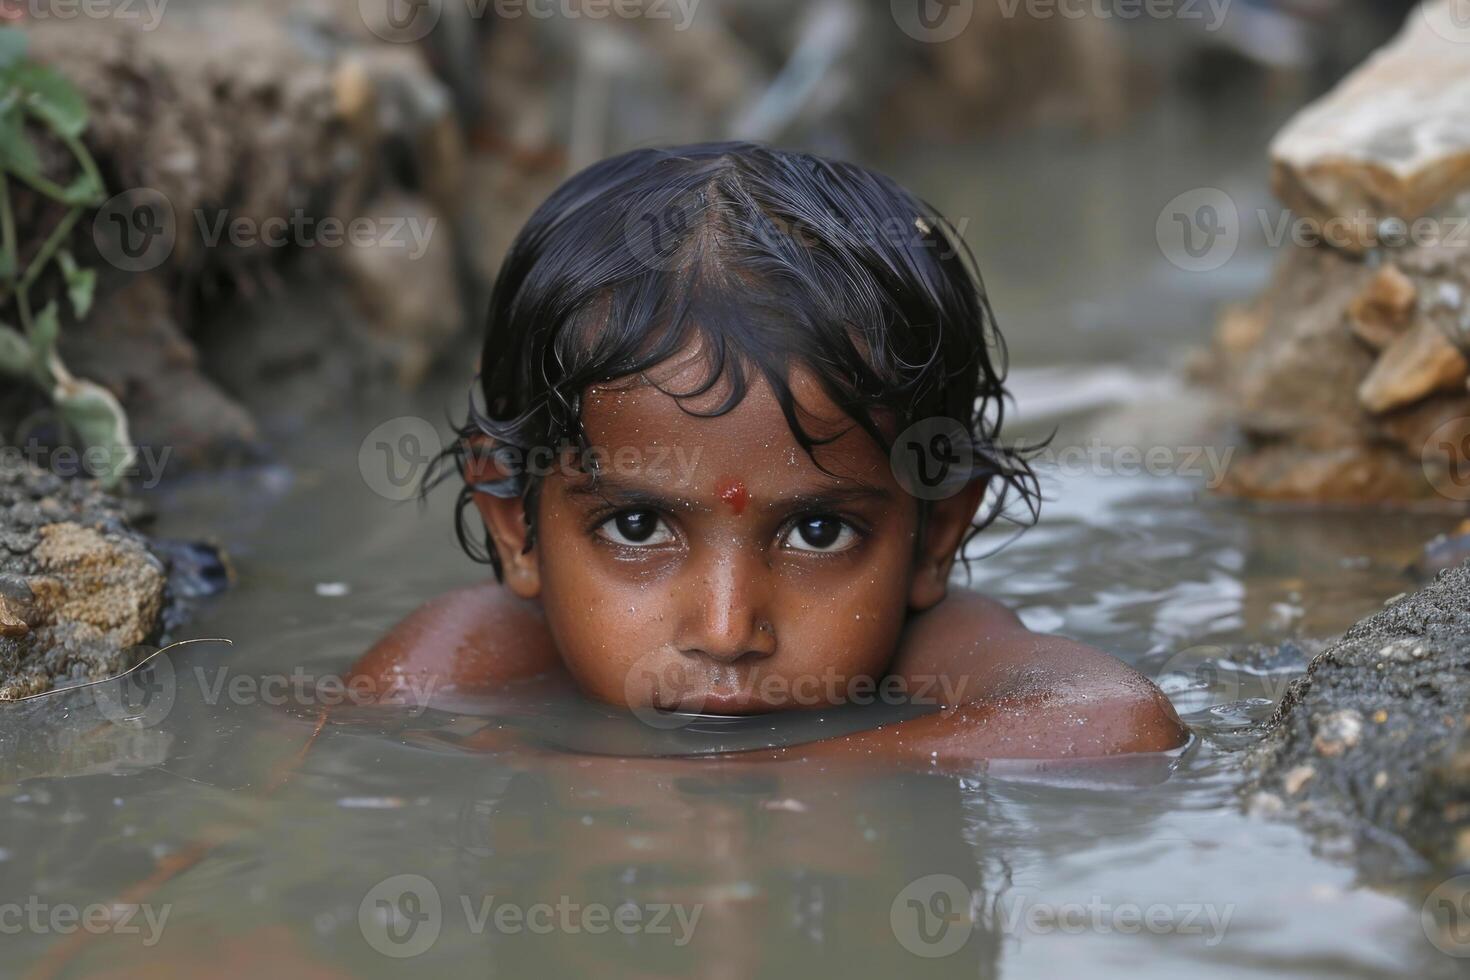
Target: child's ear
{"x": 505, "y": 519}
{"x": 944, "y": 531}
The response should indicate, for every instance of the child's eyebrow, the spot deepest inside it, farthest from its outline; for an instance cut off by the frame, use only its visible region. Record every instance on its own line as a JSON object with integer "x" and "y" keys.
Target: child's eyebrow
{"x": 611, "y": 489}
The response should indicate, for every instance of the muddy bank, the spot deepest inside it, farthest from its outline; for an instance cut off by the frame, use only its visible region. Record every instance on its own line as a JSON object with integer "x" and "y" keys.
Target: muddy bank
{"x": 83, "y": 593}
{"x": 1369, "y": 749}
{"x": 293, "y": 221}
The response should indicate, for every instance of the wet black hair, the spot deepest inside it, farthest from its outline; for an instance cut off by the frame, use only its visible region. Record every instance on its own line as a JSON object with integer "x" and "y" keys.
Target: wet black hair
{"x": 768, "y": 258}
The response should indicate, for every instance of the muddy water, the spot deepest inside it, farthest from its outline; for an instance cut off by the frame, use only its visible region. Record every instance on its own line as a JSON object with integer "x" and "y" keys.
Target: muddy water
{"x": 412, "y": 841}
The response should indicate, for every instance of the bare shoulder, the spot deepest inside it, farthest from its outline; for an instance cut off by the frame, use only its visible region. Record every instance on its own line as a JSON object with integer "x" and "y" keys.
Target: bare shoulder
{"x": 474, "y": 638}
{"x": 982, "y": 648}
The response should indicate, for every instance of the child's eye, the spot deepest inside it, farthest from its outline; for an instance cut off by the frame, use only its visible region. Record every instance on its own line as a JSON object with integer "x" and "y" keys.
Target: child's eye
{"x": 827, "y": 534}
{"x": 636, "y": 527}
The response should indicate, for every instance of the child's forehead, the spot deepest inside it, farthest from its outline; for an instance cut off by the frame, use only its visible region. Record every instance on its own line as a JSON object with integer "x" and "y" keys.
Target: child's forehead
{"x": 678, "y": 395}
{"x": 654, "y": 411}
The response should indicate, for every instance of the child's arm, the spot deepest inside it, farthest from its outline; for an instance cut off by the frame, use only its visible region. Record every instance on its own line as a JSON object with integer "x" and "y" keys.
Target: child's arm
{"x": 459, "y": 641}
{"x": 1011, "y": 693}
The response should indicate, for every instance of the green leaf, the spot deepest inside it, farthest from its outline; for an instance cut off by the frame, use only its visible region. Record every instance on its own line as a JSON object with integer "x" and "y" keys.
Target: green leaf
{"x": 52, "y": 98}
{"x": 83, "y": 191}
{"x": 100, "y": 422}
{"x": 81, "y": 284}
{"x": 17, "y": 152}
{"x": 45, "y": 328}
{"x": 15, "y": 353}
{"x": 13, "y": 44}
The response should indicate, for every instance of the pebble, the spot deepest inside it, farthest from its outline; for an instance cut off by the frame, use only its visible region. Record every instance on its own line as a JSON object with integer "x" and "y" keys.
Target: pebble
{"x": 1337, "y": 732}
{"x": 1295, "y": 778}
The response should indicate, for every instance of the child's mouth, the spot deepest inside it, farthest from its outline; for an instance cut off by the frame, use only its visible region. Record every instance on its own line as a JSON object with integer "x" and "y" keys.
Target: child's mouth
{"x": 713, "y": 689}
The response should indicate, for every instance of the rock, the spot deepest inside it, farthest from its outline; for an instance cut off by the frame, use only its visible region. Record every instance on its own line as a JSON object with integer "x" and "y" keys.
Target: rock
{"x": 1390, "y": 141}
{"x": 1296, "y": 778}
{"x": 12, "y": 619}
{"x": 1369, "y": 745}
{"x": 1380, "y": 313}
{"x": 177, "y": 415}
{"x": 1325, "y": 418}
{"x": 86, "y": 596}
{"x": 1417, "y": 364}
{"x": 405, "y": 284}
{"x": 1347, "y": 375}
{"x": 1336, "y": 733}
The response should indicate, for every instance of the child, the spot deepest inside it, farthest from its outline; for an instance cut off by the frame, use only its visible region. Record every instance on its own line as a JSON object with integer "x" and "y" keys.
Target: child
{"x": 741, "y": 412}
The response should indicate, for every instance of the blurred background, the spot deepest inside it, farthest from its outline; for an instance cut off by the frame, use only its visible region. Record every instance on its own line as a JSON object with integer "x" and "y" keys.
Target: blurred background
{"x": 228, "y": 137}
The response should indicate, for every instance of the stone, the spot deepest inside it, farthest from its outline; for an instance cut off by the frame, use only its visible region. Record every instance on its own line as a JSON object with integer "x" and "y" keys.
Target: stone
{"x": 1390, "y": 698}
{"x": 1296, "y": 778}
{"x": 1418, "y": 363}
{"x": 1380, "y": 313}
{"x": 12, "y": 618}
{"x": 91, "y": 592}
{"x": 405, "y": 285}
{"x": 1390, "y": 141}
{"x": 1336, "y": 733}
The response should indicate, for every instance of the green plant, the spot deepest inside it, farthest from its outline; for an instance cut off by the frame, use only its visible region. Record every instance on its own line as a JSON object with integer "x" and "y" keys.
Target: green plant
{"x": 36, "y": 95}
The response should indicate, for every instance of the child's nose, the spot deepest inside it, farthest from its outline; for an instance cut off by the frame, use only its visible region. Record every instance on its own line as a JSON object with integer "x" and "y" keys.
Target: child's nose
{"x": 725, "y": 610}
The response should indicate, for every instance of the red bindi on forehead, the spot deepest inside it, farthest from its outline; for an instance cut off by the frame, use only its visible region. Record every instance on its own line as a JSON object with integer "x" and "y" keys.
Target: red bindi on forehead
{"x": 732, "y": 491}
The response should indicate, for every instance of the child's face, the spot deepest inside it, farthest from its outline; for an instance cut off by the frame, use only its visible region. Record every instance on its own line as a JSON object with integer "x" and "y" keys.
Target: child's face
{"x": 715, "y": 567}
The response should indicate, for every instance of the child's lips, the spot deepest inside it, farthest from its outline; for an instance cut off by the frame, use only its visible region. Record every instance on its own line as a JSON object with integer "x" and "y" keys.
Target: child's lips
{"x": 717, "y": 689}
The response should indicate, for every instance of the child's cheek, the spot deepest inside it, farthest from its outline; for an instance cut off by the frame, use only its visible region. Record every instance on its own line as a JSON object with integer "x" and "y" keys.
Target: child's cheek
{"x": 600, "y": 624}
